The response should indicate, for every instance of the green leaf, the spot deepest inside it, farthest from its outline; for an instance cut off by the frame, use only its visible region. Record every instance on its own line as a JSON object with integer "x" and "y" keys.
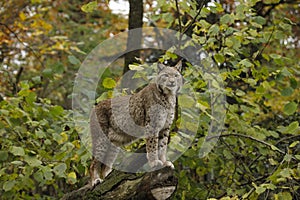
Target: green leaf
{"x": 8, "y": 185}
{"x": 3, "y": 156}
{"x": 285, "y": 173}
{"x": 260, "y": 190}
{"x": 245, "y": 62}
{"x": 186, "y": 101}
{"x": 47, "y": 73}
{"x": 56, "y": 110}
{"x": 73, "y": 60}
{"x": 274, "y": 148}
{"x": 279, "y": 34}
{"x": 58, "y": 68}
{"x": 294, "y": 144}
{"x": 293, "y": 127}
{"x": 219, "y": 58}
{"x": 214, "y": 29}
{"x": 294, "y": 83}
{"x": 47, "y": 172}
{"x": 168, "y": 17}
{"x": 284, "y": 71}
{"x": 36, "y": 79}
{"x": 38, "y": 176}
{"x": 269, "y": 186}
{"x": 290, "y": 108}
{"x": 283, "y": 196}
{"x": 240, "y": 92}
{"x": 32, "y": 161}
{"x": 31, "y": 98}
{"x": 17, "y": 162}
{"x": 60, "y": 169}
{"x": 260, "y": 20}
{"x": 229, "y": 43}
{"x": 287, "y": 92}
{"x": 90, "y": 7}
{"x": 227, "y": 18}
{"x": 109, "y": 83}
{"x": 287, "y": 157}
{"x": 271, "y": 1}
{"x": 17, "y": 151}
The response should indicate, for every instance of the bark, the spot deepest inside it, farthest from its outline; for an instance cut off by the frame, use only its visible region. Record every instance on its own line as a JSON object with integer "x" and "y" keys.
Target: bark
{"x": 157, "y": 185}
{"x": 134, "y": 38}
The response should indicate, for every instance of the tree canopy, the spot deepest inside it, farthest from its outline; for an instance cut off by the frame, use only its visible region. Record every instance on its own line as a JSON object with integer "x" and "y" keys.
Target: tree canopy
{"x": 254, "y": 43}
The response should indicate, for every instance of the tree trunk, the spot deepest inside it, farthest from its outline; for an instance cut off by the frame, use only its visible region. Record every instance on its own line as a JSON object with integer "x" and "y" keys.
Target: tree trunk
{"x": 157, "y": 185}
{"x": 134, "y": 37}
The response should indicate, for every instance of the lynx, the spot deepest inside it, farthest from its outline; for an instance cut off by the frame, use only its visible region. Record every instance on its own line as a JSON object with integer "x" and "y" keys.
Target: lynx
{"x": 119, "y": 121}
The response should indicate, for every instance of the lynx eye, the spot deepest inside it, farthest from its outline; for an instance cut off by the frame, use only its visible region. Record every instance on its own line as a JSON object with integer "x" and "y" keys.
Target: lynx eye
{"x": 165, "y": 75}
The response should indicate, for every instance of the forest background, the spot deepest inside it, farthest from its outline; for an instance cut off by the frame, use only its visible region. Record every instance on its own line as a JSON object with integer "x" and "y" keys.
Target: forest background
{"x": 254, "y": 43}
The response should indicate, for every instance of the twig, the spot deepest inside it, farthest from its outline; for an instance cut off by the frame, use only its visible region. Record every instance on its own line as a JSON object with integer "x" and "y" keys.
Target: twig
{"x": 268, "y": 42}
{"x": 196, "y": 16}
{"x": 180, "y": 25}
{"x": 251, "y": 138}
{"x": 178, "y": 14}
{"x": 27, "y": 46}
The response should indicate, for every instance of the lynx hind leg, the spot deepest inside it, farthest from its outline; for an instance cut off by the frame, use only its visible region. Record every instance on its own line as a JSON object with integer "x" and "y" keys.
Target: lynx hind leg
{"x": 103, "y": 160}
{"x": 94, "y": 172}
{"x": 100, "y": 149}
{"x": 110, "y": 158}
{"x": 100, "y": 144}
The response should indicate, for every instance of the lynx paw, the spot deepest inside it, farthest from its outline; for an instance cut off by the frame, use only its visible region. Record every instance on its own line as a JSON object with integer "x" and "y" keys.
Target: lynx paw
{"x": 156, "y": 163}
{"x": 96, "y": 181}
{"x": 169, "y": 164}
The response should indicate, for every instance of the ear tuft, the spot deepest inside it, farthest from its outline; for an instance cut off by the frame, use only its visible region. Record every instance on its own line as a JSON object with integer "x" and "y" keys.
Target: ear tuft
{"x": 160, "y": 67}
{"x": 178, "y": 66}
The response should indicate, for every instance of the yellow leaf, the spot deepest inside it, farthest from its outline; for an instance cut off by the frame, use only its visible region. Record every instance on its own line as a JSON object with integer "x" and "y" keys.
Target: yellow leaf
{"x": 76, "y": 143}
{"x": 64, "y": 138}
{"x": 22, "y": 16}
{"x": 72, "y": 178}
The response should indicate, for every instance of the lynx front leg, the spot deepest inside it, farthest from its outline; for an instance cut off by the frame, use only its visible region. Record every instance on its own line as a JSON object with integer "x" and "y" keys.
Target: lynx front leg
{"x": 162, "y": 148}
{"x": 157, "y": 120}
{"x": 152, "y": 152}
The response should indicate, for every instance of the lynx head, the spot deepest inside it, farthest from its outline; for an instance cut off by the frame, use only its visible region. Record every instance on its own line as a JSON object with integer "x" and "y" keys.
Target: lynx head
{"x": 169, "y": 80}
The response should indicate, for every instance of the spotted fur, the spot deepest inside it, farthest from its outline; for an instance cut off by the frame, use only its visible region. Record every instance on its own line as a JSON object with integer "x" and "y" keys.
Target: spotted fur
{"x": 146, "y": 114}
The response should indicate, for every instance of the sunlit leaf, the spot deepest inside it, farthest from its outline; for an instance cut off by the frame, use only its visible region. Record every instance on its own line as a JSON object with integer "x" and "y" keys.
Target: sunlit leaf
{"x": 89, "y": 7}
{"x": 72, "y": 178}
{"x": 109, "y": 83}
{"x": 135, "y": 67}
{"x": 8, "y": 185}
{"x": 17, "y": 151}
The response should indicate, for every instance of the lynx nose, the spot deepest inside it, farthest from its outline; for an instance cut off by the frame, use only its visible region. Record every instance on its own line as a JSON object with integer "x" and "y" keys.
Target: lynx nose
{"x": 171, "y": 82}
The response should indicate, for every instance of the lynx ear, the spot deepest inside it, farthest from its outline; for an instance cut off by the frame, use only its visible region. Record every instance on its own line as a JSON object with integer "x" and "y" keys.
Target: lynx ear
{"x": 160, "y": 67}
{"x": 178, "y": 66}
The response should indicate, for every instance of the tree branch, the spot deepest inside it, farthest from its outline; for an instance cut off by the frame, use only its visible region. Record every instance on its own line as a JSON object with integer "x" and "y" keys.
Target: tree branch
{"x": 160, "y": 184}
